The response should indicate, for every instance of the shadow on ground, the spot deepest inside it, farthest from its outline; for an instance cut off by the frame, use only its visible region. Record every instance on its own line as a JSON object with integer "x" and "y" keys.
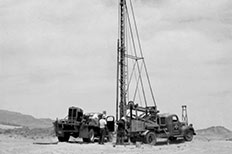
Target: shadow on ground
{"x": 165, "y": 142}
{"x": 159, "y": 143}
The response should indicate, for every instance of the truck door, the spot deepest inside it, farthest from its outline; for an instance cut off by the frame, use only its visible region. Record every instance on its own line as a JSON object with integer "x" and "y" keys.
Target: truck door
{"x": 110, "y": 123}
{"x": 175, "y": 125}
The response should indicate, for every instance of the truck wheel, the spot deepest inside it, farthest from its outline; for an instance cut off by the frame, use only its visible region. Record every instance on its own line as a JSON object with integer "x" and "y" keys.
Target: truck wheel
{"x": 86, "y": 140}
{"x": 188, "y": 136}
{"x": 133, "y": 139}
{"x": 150, "y": 138}
{"x": 91, "y": 134}
{"x": 91, "y": 137}
{"x": 64, "y": 138}
{"x": 172, "y": 138}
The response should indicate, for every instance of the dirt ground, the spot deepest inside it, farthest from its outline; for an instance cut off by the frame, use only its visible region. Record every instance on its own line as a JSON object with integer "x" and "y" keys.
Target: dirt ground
{"x": 22, "y": 145}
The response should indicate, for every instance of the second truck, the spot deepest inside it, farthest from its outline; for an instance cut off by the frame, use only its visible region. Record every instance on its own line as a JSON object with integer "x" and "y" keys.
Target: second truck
{"x": 81, "y": 125}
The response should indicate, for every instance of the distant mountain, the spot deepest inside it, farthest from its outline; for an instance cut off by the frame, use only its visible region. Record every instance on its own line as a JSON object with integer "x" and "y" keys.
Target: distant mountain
{"x": 18, "y": 119}
{"x": 215, "y": 132}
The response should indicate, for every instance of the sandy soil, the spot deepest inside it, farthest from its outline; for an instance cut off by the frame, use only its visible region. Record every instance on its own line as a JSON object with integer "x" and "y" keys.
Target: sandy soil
{"x": 21, "y": 145}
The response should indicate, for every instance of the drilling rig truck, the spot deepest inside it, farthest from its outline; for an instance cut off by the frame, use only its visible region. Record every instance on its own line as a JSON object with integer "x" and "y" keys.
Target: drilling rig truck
{"x": 143, "y": 123}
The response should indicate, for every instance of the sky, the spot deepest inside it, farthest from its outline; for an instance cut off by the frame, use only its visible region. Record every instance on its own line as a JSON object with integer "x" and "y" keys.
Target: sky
{"x": 61, "y": 53}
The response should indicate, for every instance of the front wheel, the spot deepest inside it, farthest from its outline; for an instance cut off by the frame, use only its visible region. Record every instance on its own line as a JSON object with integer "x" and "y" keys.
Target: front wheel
{"x": 188, "y": 136}
{"x": 150, "y": 138}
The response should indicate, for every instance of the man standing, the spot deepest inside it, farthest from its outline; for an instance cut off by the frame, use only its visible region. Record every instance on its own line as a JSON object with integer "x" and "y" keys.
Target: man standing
{"x": 102, "y": 123}
{"x": 121, "y": 131}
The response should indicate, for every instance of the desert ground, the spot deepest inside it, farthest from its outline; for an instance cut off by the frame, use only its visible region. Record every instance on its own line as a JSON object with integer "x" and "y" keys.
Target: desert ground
{"x": 23, "y": 135}
{"x": 10, "y": 144}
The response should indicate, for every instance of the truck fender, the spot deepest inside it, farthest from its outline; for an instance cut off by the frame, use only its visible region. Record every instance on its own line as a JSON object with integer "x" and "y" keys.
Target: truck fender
{"x": 192, "y": 129}
{"x": 145, "y": 133}
{"x": 186, "y": 129}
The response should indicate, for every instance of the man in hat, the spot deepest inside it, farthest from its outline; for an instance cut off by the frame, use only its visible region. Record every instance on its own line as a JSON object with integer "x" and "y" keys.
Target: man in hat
{"x": 102, "y": 123}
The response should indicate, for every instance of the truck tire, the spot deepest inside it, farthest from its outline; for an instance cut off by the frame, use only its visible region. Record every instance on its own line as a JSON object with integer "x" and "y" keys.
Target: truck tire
{"x": 188, "y": 136}
{"x": 91, "y": 137}
{"x": 150, "y": 138}
{"x": 172, "y": 138}
{"x": 133, "y": 139}
{"x": 64, "y": 138}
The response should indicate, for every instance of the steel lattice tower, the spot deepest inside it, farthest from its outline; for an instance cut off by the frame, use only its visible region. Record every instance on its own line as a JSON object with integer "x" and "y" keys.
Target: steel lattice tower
{"x": 121, "y": 63}
{"x": 184, "y": 114}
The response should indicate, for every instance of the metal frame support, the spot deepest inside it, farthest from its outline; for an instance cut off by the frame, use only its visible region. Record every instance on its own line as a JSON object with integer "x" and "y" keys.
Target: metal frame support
{"x": 184, "y": 114}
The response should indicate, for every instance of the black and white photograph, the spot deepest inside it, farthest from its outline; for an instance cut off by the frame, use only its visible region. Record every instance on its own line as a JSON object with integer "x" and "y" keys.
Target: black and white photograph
{"x": 115, "y": 76}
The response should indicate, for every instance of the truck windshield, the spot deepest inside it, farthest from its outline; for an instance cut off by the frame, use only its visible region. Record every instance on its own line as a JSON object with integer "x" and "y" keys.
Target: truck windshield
{"x": 174, "y": 118}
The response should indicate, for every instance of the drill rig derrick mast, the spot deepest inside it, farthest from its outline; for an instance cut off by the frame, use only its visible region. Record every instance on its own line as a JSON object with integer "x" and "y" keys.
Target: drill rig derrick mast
{"x": 124, "y": 77}
{"x": 121, "y": 62}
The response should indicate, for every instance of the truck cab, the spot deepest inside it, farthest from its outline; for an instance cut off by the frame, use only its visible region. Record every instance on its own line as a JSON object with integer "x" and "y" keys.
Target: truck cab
{"x": 75, "y": 114}
{"x": 173, "y": 128}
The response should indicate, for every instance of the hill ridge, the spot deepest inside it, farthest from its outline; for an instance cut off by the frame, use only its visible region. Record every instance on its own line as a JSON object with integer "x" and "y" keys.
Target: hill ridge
{"x": 215, "y": 129}
{"x": 18, "y": 119}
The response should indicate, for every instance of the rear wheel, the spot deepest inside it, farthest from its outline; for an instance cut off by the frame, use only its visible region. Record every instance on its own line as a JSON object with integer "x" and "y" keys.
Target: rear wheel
{"x": 133, "y": 139}
{"x": 188, "y": 136}
{"x": 64, "y": 138}
{"x": 91, "y": 137}
{"x": 150, "y": 138}
{"x": 172, "y": 138}
{"x": 85, "y": 139}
